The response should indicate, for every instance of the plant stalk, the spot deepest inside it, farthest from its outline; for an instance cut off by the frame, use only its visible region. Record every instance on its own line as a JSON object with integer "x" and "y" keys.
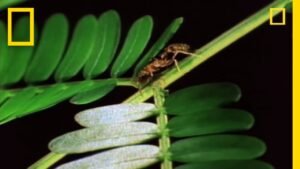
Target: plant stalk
{"x": 119, "y": 82}
{"x": 211, "y": 48}
{"x": 162, "y": 122}
{"x": 47, "y": 161}
{"x": 188, "y": 64}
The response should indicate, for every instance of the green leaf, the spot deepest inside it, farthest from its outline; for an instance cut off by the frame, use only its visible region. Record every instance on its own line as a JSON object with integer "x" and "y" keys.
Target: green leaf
{"x": 117, "y": 113}
{"x": 49, "y": 50}
{"x": 210, "y": 122}
{"x": 289, "y": 7}
{"x": 129, "y": 157}
{"x": 4, "y": 59}
{"x": 3, "y": 96}
{"x": 16, "y": 104}
{"x": 80, "y": 48}
{"x": 18, "y": 56}
{"x": 158, "y": 45}
{"x": 7, "y": 3}
{"x": 51, "y": 96}
{"x": 96, "y": 91}
{"x": 136, "y": 40}
{"x": 43, "y": 99}
{"x": 234, "y": 164}
{"x": 108, "y": 37}
{"x": 103, "y": 137}
{"x": 217, "y": 147}
{"x": 196, "y": 98}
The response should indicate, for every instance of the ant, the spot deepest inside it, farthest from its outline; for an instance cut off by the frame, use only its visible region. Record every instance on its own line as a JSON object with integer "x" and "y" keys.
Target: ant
{"x": 163, "y": 61}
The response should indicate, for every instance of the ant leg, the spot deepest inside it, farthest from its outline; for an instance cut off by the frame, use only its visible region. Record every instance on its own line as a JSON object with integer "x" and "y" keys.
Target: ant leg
{"x": 175, "y": 61}
{"x": 177, "y": 65}
{"x": 187, "y": 53}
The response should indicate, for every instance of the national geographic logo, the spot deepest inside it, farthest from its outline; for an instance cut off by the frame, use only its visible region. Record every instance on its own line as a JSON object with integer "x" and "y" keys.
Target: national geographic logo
{"x": 10, "y": 41}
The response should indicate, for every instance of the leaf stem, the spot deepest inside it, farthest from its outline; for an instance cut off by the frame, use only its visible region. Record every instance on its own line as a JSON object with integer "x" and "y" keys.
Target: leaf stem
{"x": 119, "y": 82}
{"x": 202, "y": 54}
{"x": 162, "y": 122}
{"x": 47, "y": 161}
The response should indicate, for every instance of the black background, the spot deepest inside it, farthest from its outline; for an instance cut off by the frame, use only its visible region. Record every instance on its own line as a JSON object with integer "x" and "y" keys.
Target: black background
{"x": 260, "y": 63}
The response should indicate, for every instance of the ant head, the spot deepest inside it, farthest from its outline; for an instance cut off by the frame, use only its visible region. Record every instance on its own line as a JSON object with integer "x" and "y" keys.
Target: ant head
{"x": 177, "y": 47}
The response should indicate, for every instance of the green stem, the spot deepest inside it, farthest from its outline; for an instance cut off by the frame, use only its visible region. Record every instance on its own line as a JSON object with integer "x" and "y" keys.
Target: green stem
{"x": 210, "y": 49}
{"x": 201, "y": 55}
{"x": 47, "y": 161}
{"x": 126, "y": 82}
{"x": 162, "y": 122}
{"x": 119, "y": 82}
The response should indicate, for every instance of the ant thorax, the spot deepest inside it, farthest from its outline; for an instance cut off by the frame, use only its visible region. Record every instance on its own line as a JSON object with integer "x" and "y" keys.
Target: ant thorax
{"x": 164, "y": 61}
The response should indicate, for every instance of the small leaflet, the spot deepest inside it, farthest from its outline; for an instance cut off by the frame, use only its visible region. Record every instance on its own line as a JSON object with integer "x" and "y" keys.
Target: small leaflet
{"x": 104, "y": 136}
{"x": 117, "y": 113}
{"x": 130, "y": 157}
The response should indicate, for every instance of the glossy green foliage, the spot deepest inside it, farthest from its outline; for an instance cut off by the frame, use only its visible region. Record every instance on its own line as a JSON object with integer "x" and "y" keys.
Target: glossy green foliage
{"x": 210, "y": 122}
{"x": 33, "y": 99}
{"x": 94, "y": 91}
{"x": 228, "y": 164}
{"x": 217, "y": 147}
{"x": 90, "y": 51}
{"x": 49, "y": 50}
{"x": 201, "y": 97}
{"x": 3, "y": 49}
{"x": 3, "y": 96}
{"x": 21, "y": 100}
{"x": 62, "y": 56}
{"x": 16, "y": 59}
{"x": 200, "y": 120}
{"x": 107, "y": 41}
{"x": 80, "y": 48}
{"x": 53, "y": 95}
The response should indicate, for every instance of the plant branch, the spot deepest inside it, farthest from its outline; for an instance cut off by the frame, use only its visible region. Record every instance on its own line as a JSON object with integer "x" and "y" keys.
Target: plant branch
{"x": 119, "y": 82}
{"x": 210, "y": 49}
{"x": 188, "y": 64}
{"x": 47, "y": 161}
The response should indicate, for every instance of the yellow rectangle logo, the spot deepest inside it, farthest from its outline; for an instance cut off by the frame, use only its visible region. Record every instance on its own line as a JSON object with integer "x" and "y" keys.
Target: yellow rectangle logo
{"x": 10, "y": 41}
{"x": 273, "y": 12}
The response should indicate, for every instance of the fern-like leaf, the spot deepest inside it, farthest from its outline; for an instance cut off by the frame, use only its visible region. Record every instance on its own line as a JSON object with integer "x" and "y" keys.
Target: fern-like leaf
{"x": 200, "y": 126}
{"x": 57, "y": 61}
